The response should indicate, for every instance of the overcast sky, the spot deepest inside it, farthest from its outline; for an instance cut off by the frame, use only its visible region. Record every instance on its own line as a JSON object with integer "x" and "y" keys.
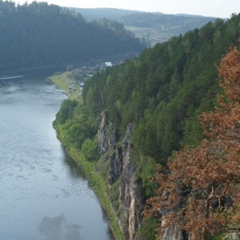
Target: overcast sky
{"x": 213, "y": 8}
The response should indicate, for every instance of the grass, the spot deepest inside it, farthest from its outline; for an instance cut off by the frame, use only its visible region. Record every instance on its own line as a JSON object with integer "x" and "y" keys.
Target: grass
{"x": 64, "y": 81}
{"x": 152, "y": 35}
{"x": 97, "y": 182}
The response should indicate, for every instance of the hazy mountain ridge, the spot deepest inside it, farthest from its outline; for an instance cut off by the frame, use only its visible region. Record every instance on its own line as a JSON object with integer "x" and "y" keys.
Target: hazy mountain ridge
{"x": 154, "y": 27}
{"x": 37, "y": 34}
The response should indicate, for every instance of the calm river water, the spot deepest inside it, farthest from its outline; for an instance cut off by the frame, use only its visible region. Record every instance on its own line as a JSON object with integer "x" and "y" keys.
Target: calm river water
{"x": 42, "y": 193}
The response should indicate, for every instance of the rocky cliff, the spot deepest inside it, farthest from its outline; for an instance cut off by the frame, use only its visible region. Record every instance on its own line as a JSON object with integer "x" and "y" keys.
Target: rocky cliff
{"x": 130, "y": 195}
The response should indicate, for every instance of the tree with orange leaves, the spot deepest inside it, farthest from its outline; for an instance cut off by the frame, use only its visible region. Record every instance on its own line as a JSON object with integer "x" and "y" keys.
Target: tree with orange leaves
{"x": 200, "y": 191}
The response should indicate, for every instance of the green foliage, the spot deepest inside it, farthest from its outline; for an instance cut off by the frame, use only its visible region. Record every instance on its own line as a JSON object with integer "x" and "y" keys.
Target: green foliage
{"x": 98, "y": 184}
{"x": 78, "y": 135}
{"x": 145, "y": 172}
{"x": 39, "y": 35}
{"x": 74, "y": 126}
{"x": 164, "y": 90}
{"x": 220, "y": 237}
{"x": 152, "y": 27}
{"x": 90, "y": 149}
{"x": 147, "y": 229}
{"x": 65, "y": 112}
{"x": 161, "y": 92}
{"x": 114, "y": 194}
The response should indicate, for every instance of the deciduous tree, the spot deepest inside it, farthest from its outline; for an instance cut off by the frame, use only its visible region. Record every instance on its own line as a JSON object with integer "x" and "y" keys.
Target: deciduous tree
{"x": 199, "y": 191}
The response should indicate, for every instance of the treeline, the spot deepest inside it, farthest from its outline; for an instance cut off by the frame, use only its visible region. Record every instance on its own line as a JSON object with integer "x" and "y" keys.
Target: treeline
{"x": 162, "y": 92}
{"x": 146, "y": 19}
{"x": 202, "y": 183}
{"x": 164, "y": 89}
{"x": 153, "y": 27}
{"x": 39, "y": 34}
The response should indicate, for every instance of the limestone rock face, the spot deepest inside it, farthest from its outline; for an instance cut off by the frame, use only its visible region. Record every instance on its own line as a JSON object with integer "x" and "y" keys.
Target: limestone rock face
{"x": 131, "y": 194}
{"x": 174, "y": 233}
{"x": 116, "y": 165}
{"x": 106, "y": 135}
{"x": 130, "y": 190}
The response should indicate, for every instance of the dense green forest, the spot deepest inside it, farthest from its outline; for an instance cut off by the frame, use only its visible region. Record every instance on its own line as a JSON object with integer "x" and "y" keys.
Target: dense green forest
{"x": 161, "y": 93}
{"x": 38, "y": 34}
{"x": 153, "y": 27}
{"x": 164, "y": 89}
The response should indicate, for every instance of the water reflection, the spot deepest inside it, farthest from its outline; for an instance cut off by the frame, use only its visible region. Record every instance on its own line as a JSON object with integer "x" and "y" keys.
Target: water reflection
{"x": 73, "y": 167}
{"x": 59, "y": 228}
{"x": 75, "y": 172}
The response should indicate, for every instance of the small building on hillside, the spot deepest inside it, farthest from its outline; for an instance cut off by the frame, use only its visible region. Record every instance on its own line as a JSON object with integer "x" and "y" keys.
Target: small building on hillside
{"x": 108, "y": 64}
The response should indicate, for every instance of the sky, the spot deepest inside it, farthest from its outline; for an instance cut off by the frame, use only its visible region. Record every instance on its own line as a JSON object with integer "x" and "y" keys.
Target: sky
{"x": 212, "y": 8}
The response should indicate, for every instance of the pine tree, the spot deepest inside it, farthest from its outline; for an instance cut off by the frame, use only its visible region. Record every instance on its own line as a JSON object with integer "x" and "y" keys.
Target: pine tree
{"x": 199, "y": 191}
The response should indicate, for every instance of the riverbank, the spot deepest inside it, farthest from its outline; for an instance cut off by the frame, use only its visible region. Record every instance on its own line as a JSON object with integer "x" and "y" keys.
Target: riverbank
{"x": 98, "y": 184}
{"x": 68, "y": 83}
{"x": 64, "y": 81}
{"x": 43, "y": 194}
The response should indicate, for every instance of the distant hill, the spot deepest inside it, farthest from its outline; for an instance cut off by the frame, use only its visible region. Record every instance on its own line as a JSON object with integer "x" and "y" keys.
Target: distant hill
{"x": 37, "y": 34}
{"x": 154, "y": 27}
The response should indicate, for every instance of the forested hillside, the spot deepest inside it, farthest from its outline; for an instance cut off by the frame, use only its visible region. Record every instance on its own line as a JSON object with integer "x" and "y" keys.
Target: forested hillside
{"x": 153, "y": 27}
{"x": 164, "y": 89}
{"x": 202, "y": 183}
{"x": 38, "y": 34}
{"x": 156, "y": 100}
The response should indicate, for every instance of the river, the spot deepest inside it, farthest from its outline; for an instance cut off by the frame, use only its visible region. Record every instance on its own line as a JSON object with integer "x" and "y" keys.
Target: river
{"x": 42, "y": 194}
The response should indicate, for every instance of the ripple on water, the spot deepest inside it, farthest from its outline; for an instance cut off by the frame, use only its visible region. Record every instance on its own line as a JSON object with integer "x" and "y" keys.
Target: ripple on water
{"x": 39, "y": 185}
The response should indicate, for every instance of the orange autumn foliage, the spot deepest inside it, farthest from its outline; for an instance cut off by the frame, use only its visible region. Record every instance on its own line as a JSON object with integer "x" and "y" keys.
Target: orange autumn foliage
{"x": 200, "y": 191}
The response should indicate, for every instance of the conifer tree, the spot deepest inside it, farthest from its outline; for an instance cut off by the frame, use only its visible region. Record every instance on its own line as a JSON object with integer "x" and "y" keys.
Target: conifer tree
{"x": 199, "y": 192}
